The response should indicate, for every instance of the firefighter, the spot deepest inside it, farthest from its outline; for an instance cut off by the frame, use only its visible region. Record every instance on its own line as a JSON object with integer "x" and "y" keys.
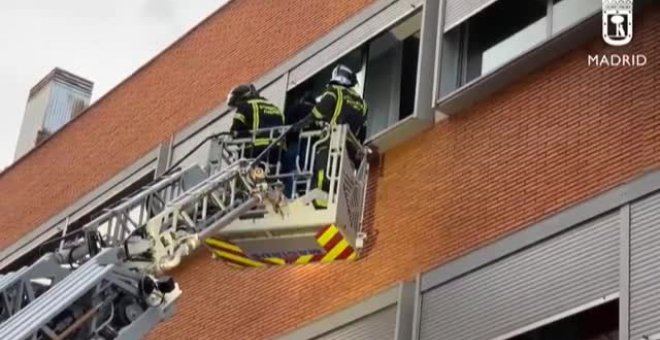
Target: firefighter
{"x": 253, "y": 112}
{"x": 339, "y": 104}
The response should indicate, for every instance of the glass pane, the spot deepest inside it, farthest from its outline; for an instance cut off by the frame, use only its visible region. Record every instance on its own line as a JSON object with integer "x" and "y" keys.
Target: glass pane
{"x": 409, "y": 63}
{"x": 379, "y": 92}
{"x": 450, "y": 72}
{"x": 601, "y": 322}
{"x": 502, "y": 32}
{"x": 392, "y": 75}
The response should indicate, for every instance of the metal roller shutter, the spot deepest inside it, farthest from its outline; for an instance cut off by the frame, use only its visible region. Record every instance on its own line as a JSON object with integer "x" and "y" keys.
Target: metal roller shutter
{"x": 567, "y": 271}
{"x": 352, "y": 40}
{"x": 377, "y": 326}
{"x": 645, "y": 267}
{"x": 460, "y": 10}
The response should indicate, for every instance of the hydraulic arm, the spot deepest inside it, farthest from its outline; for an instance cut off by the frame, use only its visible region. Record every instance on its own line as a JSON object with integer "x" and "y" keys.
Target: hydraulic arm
{"x": 107, "y": 280}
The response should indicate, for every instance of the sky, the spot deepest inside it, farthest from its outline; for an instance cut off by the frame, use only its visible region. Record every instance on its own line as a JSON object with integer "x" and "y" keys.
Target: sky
{"x": 100, "y": 40}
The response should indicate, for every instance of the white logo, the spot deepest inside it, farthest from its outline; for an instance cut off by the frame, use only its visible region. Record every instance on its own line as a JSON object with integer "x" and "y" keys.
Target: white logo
{"x": 617, "y": 22}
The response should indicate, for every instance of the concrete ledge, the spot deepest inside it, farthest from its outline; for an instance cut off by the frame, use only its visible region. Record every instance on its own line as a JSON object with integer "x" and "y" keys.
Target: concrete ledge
{"x": 378, "y": 302}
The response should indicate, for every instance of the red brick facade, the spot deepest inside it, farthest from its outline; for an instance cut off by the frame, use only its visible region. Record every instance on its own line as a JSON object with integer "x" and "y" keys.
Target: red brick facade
{"x": 556, "y": 137}
{"x": 242, "y": 41}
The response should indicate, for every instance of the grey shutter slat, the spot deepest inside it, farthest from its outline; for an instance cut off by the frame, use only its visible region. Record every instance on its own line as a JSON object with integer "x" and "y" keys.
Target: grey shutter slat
{"x": 567, "y": 271}
{"x": 645, "y": 267}
{"x": 377, "y": 326}
{"x": 352, "y": 40}
{"x": 460, "y": 10}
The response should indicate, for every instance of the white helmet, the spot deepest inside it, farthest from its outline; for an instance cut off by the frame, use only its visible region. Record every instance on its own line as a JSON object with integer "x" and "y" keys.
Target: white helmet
{"x": 342, "y": 75}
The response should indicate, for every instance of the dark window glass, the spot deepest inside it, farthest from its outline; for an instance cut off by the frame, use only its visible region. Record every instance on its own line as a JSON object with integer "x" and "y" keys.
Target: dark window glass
{"x": 599, "y": 323}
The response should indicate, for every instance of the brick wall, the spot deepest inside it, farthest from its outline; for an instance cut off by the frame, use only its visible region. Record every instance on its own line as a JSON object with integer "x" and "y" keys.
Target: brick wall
{"x": 556, "y": 137}
{"x": 242, "y": 41}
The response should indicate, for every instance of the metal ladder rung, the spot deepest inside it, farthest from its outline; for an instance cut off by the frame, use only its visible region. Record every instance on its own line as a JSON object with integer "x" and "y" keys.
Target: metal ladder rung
{"x": 33, "y": 317}
{"x": 8, "y": 278}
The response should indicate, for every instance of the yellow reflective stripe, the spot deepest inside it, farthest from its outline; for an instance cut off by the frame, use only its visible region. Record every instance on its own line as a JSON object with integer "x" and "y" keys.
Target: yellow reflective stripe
{"x": 240, "y": 117}
{"x": 327, "y": 93}
{"x": 338, "y": 249}
{"x": 304, "y": 259}
{"x": 255, "y": 115}
{"x": 327, "y": 236}
{"x": 319, "y": 182}
{"x": 353, "y": 256}
{"x": 338, "y": 106}
{"x": 223, "y": 245}
{"x": 243, "y": 260}
{"x": 261, "y": 141}
{"x": 256, "y": 102}
{"x": 267, "y": 141}
{"x": 317, "y": 114}
{"x": 276, "y": 261}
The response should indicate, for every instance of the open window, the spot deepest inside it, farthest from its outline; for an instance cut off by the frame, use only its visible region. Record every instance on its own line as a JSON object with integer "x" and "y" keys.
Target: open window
{"x": 502, "y": 32}
{"x": 490, "y": 39}
{"x": 601, "y": 322}
{"x": 386, "y": 67}
{"x": 315, "y": 85}
{"x": 392, "y": 75}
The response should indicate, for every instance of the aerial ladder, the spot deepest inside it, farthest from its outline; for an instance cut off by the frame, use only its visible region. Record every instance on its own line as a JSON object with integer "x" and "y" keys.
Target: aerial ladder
{"x": 109, "y": 280}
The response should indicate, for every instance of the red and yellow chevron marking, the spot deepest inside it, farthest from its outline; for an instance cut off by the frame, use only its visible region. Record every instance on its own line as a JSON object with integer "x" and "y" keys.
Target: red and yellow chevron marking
{"x": 330, "y": 238}
{"x": 234, "y": 256}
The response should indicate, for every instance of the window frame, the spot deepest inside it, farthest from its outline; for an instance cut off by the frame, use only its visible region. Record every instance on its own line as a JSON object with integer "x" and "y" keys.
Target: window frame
{"x": 560, "y": 316}
{"x": 422, "y": 116}
{"x": 554, "y": 45}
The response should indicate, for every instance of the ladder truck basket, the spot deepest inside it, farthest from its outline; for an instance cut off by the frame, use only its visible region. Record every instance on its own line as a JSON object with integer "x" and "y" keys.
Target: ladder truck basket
{"x": 298, "y": 230}
{"x": 107, "y": 279}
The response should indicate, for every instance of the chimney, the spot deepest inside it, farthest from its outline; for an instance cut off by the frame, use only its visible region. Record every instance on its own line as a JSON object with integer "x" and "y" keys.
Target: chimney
{"x": 52, "y": 103}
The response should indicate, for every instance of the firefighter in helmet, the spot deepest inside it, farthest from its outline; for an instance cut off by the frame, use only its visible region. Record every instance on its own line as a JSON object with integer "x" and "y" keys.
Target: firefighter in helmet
{"x": 254, "y": 113}
{"x": 339, "y": 104}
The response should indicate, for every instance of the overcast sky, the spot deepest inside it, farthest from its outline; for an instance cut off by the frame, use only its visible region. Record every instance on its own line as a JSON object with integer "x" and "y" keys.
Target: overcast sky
{"x": 103, "y": 41}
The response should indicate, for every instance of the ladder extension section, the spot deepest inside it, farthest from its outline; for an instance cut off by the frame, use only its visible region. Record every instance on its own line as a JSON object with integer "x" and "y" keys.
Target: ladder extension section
{"x": 166, "y": 221}
{"x": 18, "y": 289}
{"x": 197, "y": 214}
{"x": 119, "y": 222}
{"x": 104, "y": 284}
{"x": 84, "y": 304}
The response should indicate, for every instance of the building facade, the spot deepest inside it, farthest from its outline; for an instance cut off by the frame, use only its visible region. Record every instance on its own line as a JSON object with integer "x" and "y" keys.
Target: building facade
{"x": 515, "y": 197}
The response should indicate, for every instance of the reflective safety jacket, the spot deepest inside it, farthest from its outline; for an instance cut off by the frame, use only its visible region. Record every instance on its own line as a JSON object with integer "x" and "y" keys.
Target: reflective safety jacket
{"x": 256, "y": 114}
{"x": 342, "y": 105}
